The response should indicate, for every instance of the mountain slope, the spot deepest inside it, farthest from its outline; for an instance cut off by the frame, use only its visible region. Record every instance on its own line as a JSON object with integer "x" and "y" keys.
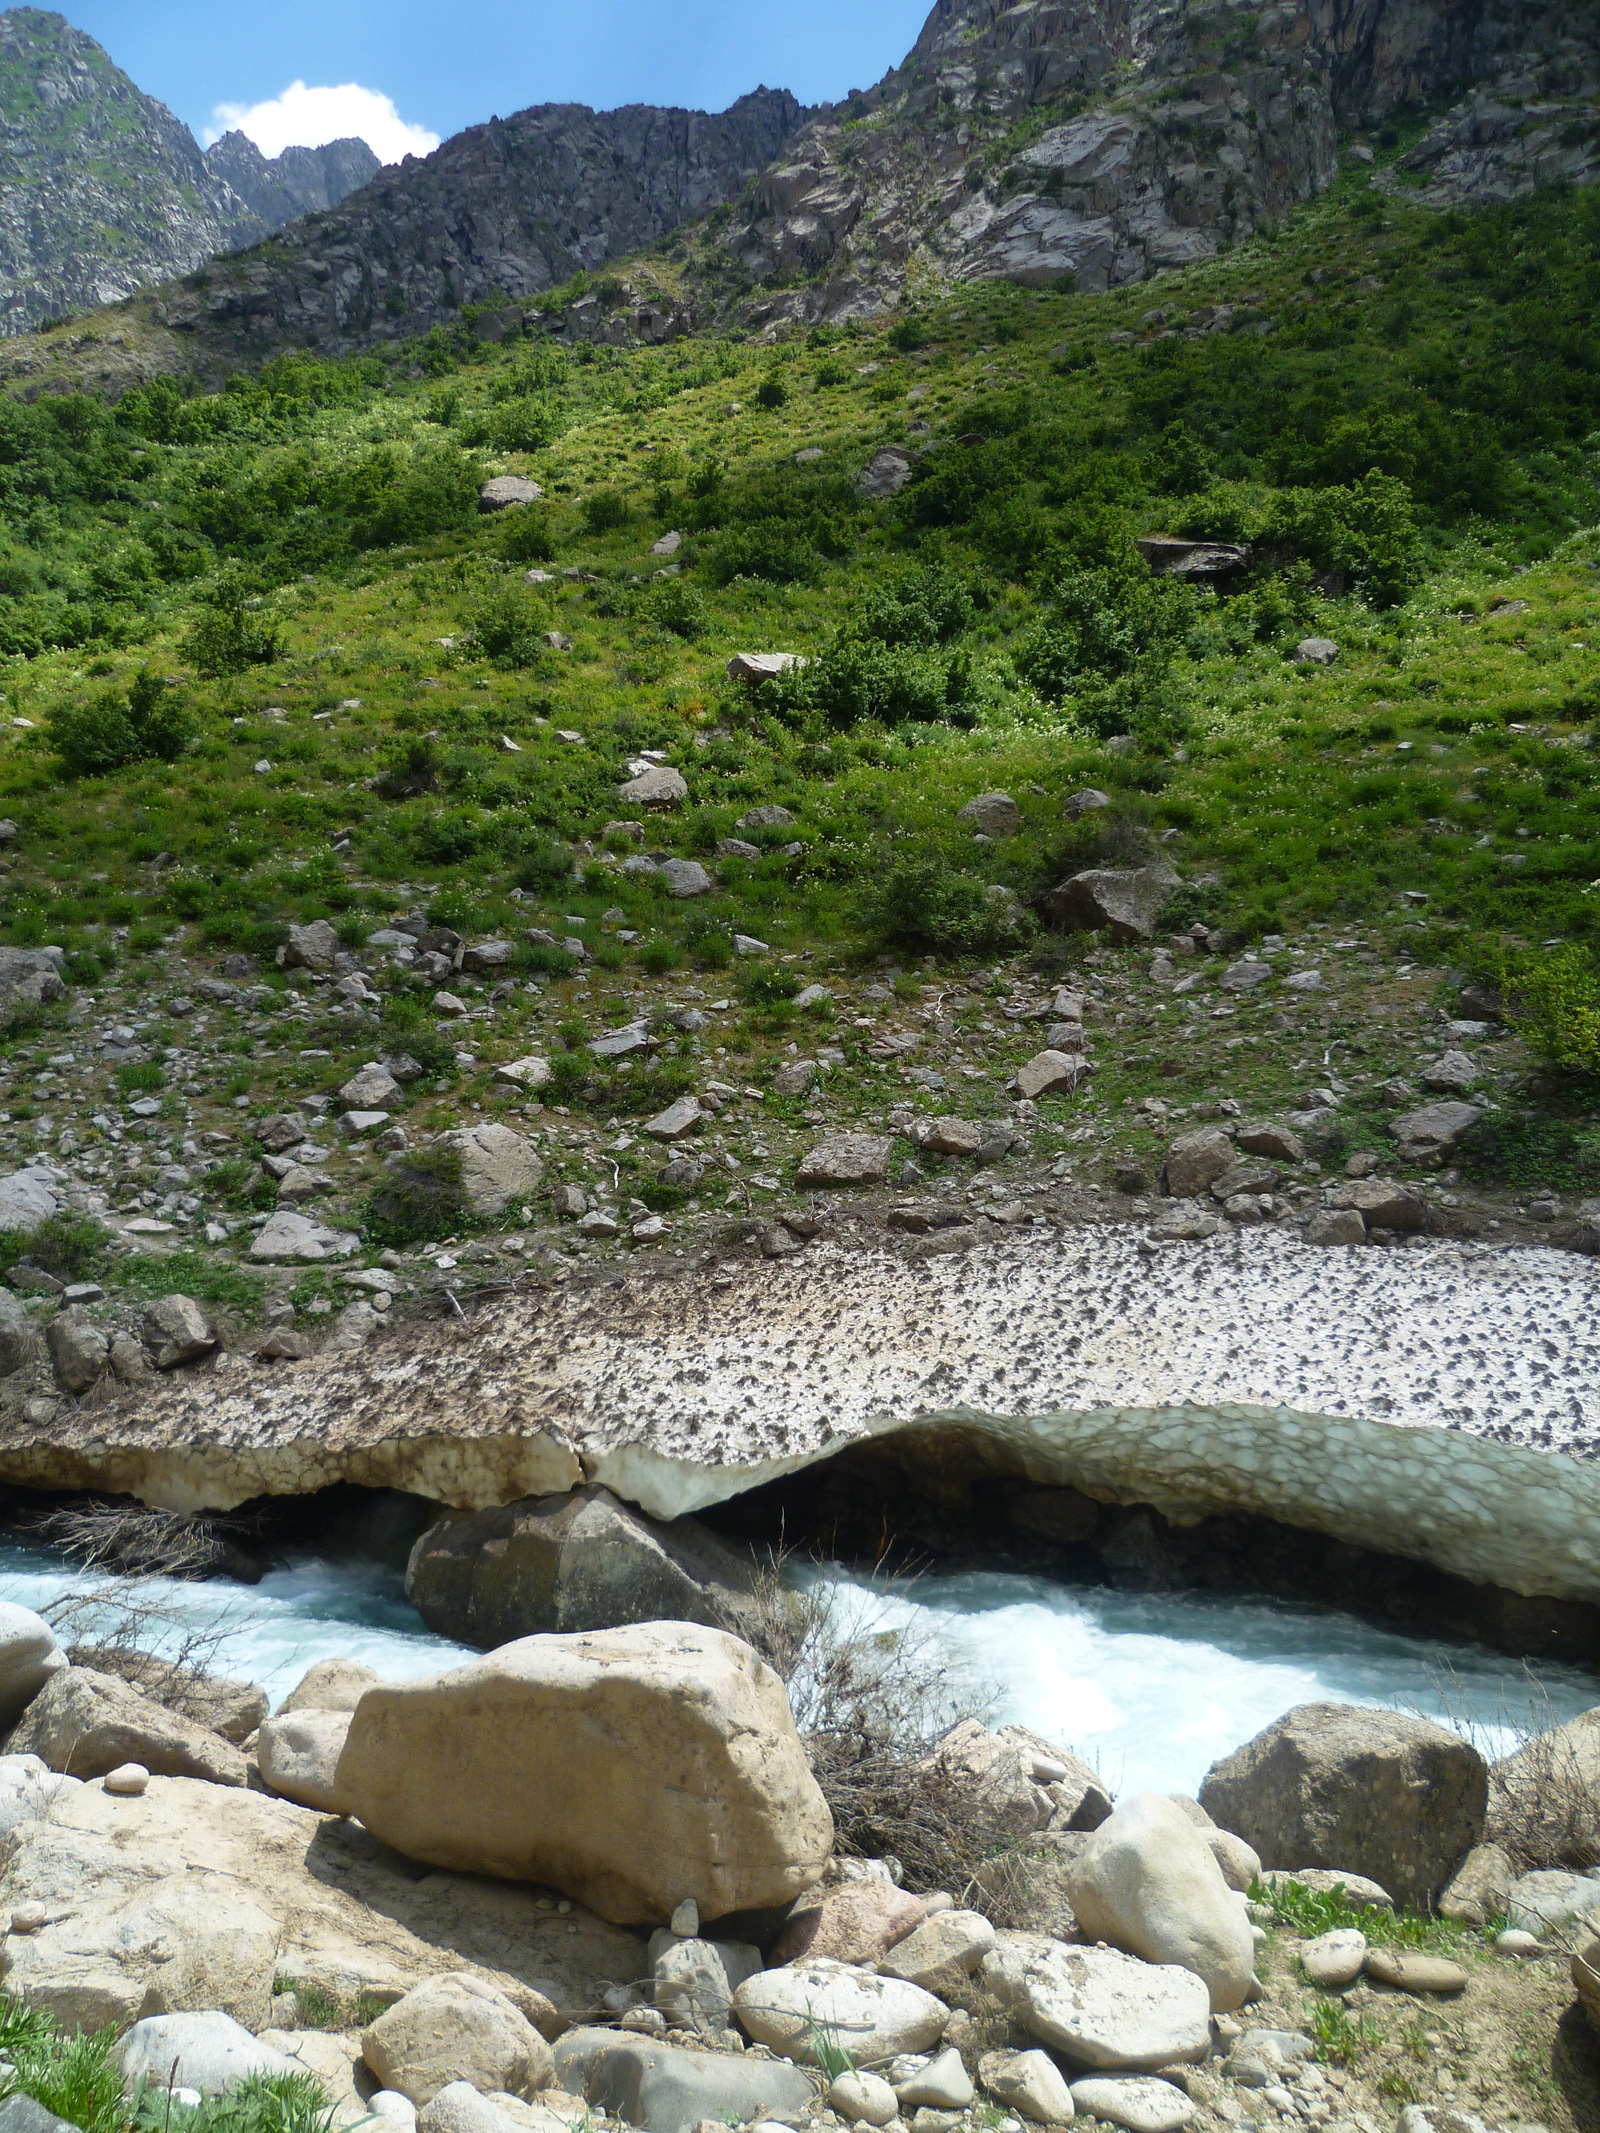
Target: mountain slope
{"x": 1105, "y": 139}
{"x": 103, "y": 191}
{"x": 509, "y": 208}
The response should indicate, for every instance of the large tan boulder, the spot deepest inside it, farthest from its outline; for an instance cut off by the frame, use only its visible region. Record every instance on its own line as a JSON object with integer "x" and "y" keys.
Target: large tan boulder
{"x": 298, "y": 1756}
{"x": 1147, "y": 1882}
{"x": 455, "y": 2029}
{"x": 1376, "y": 1793}
{"x": 331, "y": 1685}
{"x": 629, "y": 1768}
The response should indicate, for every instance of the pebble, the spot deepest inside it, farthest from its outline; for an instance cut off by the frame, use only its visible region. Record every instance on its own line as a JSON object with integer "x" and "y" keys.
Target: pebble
{"x": 1515, "y": 1941}
{"x": 29, "y": 1918}
{"x": 128, "y": 1780}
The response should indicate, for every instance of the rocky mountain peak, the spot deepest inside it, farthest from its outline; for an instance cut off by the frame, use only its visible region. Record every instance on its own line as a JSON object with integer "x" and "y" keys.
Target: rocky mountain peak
{"x": 103, "y": 191}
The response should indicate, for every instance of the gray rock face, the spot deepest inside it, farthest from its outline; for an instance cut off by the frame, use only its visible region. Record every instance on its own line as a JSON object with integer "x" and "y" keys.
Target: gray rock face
{"x": 884, "y": 475}
{"x": 667, "y": 2089}
{"x": 19, "y": 1339}
{"x": 846, "y": 1159}
{"x": 312, "y": 947}
{"x": 1126, "y": 901}
{"x": 29, "y": 1196}
{"x": 1373, "y": 1792}
{"x": 506, "y": 491}
{"x": 299, "y": 181}
{"x": 566, "y": 1563}
{"x": 30, "y": 976}
{"x": 86, "y": 1724}
{"x": 497, "y": 1166}
{"x": 1430, "y": 1134}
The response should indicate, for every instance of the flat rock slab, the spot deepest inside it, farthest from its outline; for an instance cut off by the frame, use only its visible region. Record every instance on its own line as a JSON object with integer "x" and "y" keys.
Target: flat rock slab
{"x": 1414, "y": 1973}
{"x": 666, "y": 2089}
{"x": 1111, "y": 2012}
{"x": 846, "y": 1159}
{"x": 297, "y": 1239}
{"x": 1138, "y": 2103}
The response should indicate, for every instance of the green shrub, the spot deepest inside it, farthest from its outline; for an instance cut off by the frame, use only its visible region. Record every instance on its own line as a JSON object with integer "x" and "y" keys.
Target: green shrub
{"x": 675, "y": 606}
{"x": 419, "y": 1198}
{"x": 660, "y": 954}
{"x": 859, "y": 677}
{"x": 111, "y": 732}
{"x": 922, "y": 904}
{"x": 1554, "y": 1002}
{"x": 229, "y": 638}
{"x": 1362, "y": 538}
{"x": 1097, "y": 624}
{"x": 604, "y": 511}
{"x": 509, "y": 625}
{"x": 765, "y": 984}
{"x": 528, "y": 536}
{"x": 70, "y": 1246}
{"x": 141, "y": 1077}
{"x": 772, "y": 392}
{"x": 766, "y": 549}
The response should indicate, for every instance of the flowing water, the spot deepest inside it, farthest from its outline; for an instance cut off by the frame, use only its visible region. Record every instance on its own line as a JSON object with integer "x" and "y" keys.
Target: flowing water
{"x": 1152, "y": 1687}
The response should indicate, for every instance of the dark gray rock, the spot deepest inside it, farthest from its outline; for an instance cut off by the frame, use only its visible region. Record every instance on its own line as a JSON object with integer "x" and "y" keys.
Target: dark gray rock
{"x": 1378, "y": 1793}
{"x": 567, "y": 1563}
{"x": 666, "y": 2089}
{"x": 1125, "y": 901}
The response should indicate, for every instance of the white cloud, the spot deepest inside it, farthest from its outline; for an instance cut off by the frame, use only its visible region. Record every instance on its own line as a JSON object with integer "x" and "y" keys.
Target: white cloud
{"x": 307, "y": 117}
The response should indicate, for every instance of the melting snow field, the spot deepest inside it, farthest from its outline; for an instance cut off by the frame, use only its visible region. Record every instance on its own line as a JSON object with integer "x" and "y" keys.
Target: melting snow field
{"x": 1152, "y": 1687}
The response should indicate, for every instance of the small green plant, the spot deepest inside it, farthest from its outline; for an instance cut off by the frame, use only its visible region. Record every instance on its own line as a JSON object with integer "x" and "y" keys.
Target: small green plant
{"x": 419, "y": 1198}
{"x": 70, "y": 1246}
{"x": 660, "y": 954}
{"x": 229, "y": 637}
{"x": 140, "y": 1077}
{"x": 1339, "y": 2036}
{"x": 604, "y": 511}
{"x": 826, "y": 2049}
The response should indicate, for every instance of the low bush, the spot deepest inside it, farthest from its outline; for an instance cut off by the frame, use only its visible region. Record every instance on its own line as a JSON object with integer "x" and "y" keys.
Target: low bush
{"x": 109, "y": 732}
{"x": 70, "y": 1246}
{"x": 1554, "y": 1002}
{"x": 419, "y": 1199}
{"x": 922, "y": 904}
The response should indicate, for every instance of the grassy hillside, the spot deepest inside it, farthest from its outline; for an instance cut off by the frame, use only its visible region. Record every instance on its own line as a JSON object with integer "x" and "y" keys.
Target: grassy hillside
{"x": 269, "y": 663}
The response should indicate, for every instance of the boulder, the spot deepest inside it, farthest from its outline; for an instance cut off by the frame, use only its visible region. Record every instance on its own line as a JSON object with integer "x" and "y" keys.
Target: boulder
{"x": 29, "y": 1196}
{"x": 505, "y": 492}
{"x": 455, "y": 2028}
{"x": 299, "y": 1755}
{"x": 753, "y": 667}
{"x": 232, "y": 1708}
{"x": 796, "y": 1078}
{"x": 30, "y": 1656}
{"x": 297, "y": 1240}
{"x": 1451, "y": 1070}
{"x": 668, "y": 1761}
{"x": 1137, "y": 2102}
{"x": 684, "y": 877}
{"x": 846, "y": 1159}
{"x": 1146, "y": 1881}
{"x": 1025, "y": 1784}
{"x": 1333, "y": 1960}
{"x": 949, "y": 1135}
{"x": 1549, "y": 1791}
{"x": 676, "y": 1120}
{"x": 853, "y": 1922}
{"x": 695, "y": 1979}
{"x": 30, "y": 976}
{"x": 345, "y": 1914}
{"x": 529, "y": 1073}
{"x": 1337, "y": 1225}
{"x": 871, "y": 2018}
{"x": 1586, "y": 1976}
{"x": 1551, "y": 1899}
{"x": 176, "y": 1331}
{"x": 373, "y": 1088}
{"x": 19, "y": 1339}
{"x": 1265, "y": 1137}
{"x": 206, "y": 2051}
{"x": 1029, "y": 2083}
{"x": 1316, "y": 652}
{"x": 497, "y": 1166}
{"x": 78, "y": 1349}
{"x": 86, "y": 1724}
{"x": 313, "y": 947}
{"x": 22, "y": 2113}
{"x": 1480, "y": 1888}
{"x": 1247, "y": 975}
{"x": 770, "y": 816}
{"x": 884, "y": 475}
{"x": 331, "y": 1685}
{"x": 1375, "y": 1792}
{"x": 946, "y": 1948}
{"x": 1050, "y": 1073}
{"x": 1087, "y": 800}
{"x": 659, "y": 786}
{"x": 569, "y": 1563}
{"x": 1382, "y": 1203}
{"x": 1428, "y": 1135}
{"x": 458, "y": 2108}
{"x": 1109, "y": 2011}
{"x": 1200, "y": 562}
{"x": 1126, "y": 901}
{"x": 670, "y": 2090}
{"x": 994, "y": 814}
{"x": 1196, "y": 1160}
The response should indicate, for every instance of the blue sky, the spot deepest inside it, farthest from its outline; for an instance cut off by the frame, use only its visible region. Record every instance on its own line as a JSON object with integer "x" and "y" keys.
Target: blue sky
{"x": 444, "y": 66}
